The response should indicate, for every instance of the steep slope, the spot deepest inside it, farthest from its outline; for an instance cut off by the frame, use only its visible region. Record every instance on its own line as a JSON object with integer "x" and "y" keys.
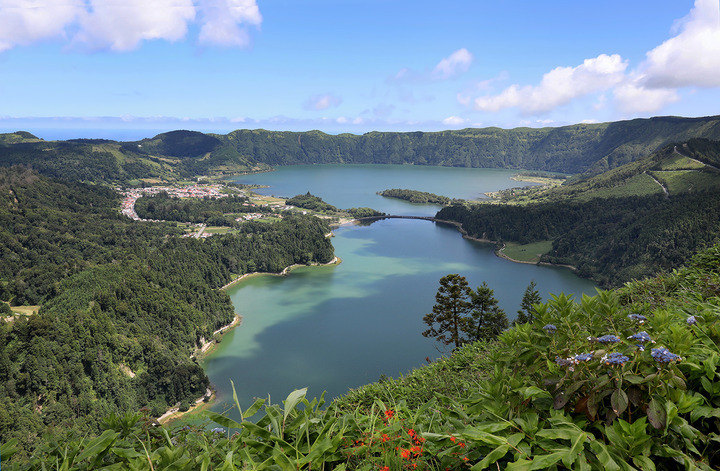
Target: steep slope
{"x": 591, "y": 148}
{"x": 570, "y": 149}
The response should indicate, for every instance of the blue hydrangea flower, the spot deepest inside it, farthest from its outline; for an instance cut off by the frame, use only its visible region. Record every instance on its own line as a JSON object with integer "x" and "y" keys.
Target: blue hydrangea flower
{"x": 550, "y": 328}
{"x": 691, "y": 320}
{"x": 640, "y": 347}
{"x": 609, "y": 339}
{"x": 615, "y": 359}
{"x": 641, "y": 337}
{"x": 563, "y": 361}
{"x": 637, "y": 317}
{"x": 663, "y": 355}
{"x": 583, "y": 357}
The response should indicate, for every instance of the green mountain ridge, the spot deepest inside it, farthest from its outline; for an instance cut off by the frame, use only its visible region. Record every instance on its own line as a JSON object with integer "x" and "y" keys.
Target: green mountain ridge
{"x": 182, "y": 154}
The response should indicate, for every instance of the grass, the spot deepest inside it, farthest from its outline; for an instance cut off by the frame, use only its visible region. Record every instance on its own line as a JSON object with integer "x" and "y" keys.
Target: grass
{"x": 680, "y": 162}
{"x": 638, "y": 185}
{"x": 528, "y": 252}
{"x": 679, "y": 181}
{"x": 25, "y": 310}
{"x": 217, "y": 229}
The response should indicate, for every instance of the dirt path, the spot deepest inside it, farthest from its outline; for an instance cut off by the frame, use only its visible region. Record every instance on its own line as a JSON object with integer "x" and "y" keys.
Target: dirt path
{"x": 694, "y": 160}
{"x": 664, "y": 189}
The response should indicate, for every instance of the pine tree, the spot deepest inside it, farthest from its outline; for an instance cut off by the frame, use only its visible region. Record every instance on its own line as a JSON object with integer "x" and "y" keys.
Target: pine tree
{"x": 527, "y": 313}
{"x": 488, "y": 320}
{"x": 449, "y": 321}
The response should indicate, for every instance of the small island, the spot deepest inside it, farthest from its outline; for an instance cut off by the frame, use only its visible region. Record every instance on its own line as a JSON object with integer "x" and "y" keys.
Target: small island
{"x": 414, "y": 196}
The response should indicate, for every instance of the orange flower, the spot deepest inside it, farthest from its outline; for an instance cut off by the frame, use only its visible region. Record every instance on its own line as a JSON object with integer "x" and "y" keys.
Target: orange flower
{"x": 405, "y": 454}
{"x": 389, "y": 414}
{"x": 452, "y": 439}
{"x": 385, "y": 437}
{"x": 385, "y": 468}
{"x": 411, "y": 432}
{"x": 465, "y": 458}
{"x": 462, "y": 445}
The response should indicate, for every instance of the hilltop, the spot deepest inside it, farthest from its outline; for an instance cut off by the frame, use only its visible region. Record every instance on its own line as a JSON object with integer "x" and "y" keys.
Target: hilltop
{"x": 179, "y": 155}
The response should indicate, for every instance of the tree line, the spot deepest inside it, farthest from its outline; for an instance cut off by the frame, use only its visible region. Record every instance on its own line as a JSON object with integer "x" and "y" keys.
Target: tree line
{"x": 124, "y": 303}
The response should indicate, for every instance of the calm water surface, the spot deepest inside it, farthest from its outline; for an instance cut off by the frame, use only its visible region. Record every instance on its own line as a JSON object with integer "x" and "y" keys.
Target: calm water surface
{"x": 347, "y": 186}
{"x": 335, "y": 328}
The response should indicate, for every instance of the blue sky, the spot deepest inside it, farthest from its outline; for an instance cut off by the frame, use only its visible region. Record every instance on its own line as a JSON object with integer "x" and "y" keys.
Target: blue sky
{"x": 354, "y": 66}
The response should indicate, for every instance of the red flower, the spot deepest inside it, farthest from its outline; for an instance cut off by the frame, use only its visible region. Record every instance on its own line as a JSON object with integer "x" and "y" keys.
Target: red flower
{"x": 411, "y": 432}
{"x": 385, "y": 437}
{"x": 389, "y": 414}
{"x": 462, "y": 445}
{"x": 405, "y": 454}
{"x": 452, "y": 439}
{"x": 385, "y": 468}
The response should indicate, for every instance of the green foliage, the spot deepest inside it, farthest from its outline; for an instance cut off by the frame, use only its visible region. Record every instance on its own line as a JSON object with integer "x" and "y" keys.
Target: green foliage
{"x": 414, "y": 196}
{"x": 612, "y": 240}
{"x": 449, "y": 322}
{"x": 364, "y": 212}
{"x": 592, "y": 148}
{"x": 211, "y": 211}
{"x": 311, "y": 202}
{"x": 488, "y": 320}
{"x": 537, "y": 398}
{"x": 461, "y": 315}
{"x": 124, "y": 303}
{"x": 530, "y": 298}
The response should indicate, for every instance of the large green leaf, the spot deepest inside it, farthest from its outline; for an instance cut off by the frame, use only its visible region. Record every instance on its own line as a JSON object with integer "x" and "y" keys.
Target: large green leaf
{"x": 98, "y": 445}
{"x": 292, "y": 401}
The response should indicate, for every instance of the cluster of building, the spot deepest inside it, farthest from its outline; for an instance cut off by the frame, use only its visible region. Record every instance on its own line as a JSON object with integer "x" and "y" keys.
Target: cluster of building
{"x": 194, "y": 191}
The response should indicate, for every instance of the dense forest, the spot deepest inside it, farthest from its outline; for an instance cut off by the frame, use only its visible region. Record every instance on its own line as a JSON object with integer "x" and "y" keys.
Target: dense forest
{"x": 415, "y": 196}
{"x": 178, "y": 155}
{"x": 612, "y": 240}
{"x": 124, "y": 303}
{"x": 626, "y": 379}
{"x": 210, "y": 211}
{"x": 311, "y": 202}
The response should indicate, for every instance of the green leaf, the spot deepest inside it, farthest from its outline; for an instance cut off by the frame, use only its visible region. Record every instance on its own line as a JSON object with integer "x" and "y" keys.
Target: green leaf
{"x": 98, "y": 445}
{"x": 533, "y": 392}
{"x": 656, "y": 414}
{"x": 292, "y": 401}
{"x": 491, "y": 457}
{"x": 603, "y": 456}
{"x": 619, "y": 401}
{"x": 9, "y": 448}
{"x": 126, "y": 453}
{"x": 222, "y": 420}
{"x": 644, "y": 463}
{"x": 252, "y": 410}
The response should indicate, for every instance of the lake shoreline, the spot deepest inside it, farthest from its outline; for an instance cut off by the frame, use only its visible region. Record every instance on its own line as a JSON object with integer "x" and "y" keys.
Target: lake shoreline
{"x": 173, "y": 413}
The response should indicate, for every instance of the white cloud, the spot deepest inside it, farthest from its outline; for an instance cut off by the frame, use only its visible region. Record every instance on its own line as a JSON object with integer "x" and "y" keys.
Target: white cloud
{"x": 453, "y": 121}
{"x": 691, "y": 58}
{"x": 121, "y": 25}
{"x": 23, "y": 22}
{"x": 453, "y": 65}
{"x": 559, "y": 86}
{"x": 632, "y": 97}
{"x": 322, "y": 102}
{"x": 225, "y": 20}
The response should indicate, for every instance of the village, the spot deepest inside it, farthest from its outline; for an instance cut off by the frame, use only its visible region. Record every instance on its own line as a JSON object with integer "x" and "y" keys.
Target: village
{"x": 130, "y": 197}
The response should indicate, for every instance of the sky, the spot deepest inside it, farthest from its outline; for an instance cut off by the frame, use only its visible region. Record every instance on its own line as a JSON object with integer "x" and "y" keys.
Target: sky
{"x": 88, "y": 67}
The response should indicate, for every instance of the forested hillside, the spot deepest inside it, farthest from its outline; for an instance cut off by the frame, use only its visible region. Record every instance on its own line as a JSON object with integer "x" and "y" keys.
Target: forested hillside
{"x": 627, "y": 223}
{"x": 176, "y": 155}
{"x": 570, "y": 149}
{"x": 124, "y": 303}
{"x": 627, "y": 379}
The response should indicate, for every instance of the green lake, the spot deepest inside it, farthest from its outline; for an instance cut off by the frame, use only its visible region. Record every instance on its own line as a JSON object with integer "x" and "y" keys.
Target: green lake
{"x": 338, "y": 327}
